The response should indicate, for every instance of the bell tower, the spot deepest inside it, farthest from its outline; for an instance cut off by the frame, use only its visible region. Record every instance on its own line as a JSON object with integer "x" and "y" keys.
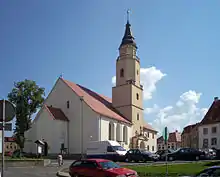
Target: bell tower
{"x": 127, "y": 95}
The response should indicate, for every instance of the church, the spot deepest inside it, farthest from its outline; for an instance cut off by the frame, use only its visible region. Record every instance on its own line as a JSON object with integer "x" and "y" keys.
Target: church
{"x": 73, "y": 115}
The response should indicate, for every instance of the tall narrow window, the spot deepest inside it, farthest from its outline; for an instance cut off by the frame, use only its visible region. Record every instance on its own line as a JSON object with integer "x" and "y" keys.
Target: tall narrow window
{"x": 122, "y": 72}
{"x": 137, "y": 116}
{"x": 68, "y": 104}
{"x": 137, "y": 96}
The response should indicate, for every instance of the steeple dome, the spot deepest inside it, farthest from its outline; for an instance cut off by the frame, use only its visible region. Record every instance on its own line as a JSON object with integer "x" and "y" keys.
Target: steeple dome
{"x": 128, "y": 37}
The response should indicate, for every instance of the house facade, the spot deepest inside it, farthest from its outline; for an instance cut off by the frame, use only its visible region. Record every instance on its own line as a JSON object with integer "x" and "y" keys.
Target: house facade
{"x": 73, "y": 115}
{"x": 209, "y": 127}
{"x": 174, "y": 141}
{"x": 190, "y": 136}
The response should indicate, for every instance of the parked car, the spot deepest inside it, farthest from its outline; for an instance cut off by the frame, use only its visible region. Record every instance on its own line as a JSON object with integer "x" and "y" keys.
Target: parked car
{"x": 211, "y": 171}
{"x": 210, "y": 154}
{"x": 110, "y": 150}
{"x": 186, "y": 154}
{"x": 140, "y": 155}
{"x": 8, "y": 153}
{"x": 99, "y": 168}
{"x": 162, "y": 153}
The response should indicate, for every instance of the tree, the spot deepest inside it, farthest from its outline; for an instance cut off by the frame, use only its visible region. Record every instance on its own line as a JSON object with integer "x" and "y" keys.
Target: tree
{"x": 27, "y": 97}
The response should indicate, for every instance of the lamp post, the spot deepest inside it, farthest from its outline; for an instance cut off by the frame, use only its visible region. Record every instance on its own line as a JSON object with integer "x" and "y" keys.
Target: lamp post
{"x": 81, "y": 99}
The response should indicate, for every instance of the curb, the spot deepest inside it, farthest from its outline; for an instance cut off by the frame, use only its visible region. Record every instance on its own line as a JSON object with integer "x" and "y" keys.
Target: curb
{"x": 62, "y": 174}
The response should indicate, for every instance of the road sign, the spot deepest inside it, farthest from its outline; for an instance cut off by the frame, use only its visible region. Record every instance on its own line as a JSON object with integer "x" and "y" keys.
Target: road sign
{"x": 165, "y": 134}
{"x": 8, "y": 126}
{"x": 9, "y": 111}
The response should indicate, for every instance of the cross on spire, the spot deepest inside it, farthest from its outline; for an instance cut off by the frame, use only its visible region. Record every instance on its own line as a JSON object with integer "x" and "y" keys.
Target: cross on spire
{"x": 128, "y": 15}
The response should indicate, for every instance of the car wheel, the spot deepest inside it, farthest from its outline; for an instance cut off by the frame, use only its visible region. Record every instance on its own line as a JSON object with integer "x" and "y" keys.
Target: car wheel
{"x": 127, "y": 159}
{"x": 197, "y": 158}
{"x": 170, "y": 158}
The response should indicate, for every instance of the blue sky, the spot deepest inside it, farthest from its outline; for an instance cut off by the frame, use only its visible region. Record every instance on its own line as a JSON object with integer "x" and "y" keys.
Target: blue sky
{"x": 42, "y": 39}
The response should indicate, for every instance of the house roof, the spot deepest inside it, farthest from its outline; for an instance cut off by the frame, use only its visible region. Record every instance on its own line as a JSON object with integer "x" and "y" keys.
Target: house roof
{"x": 149, "y": 127}
{"x": 98, "y": 103}
{"x": 188, "y": 128}
{"x": 173, "y": 137}
{"x": 213, "y": 114}
{"x": 56, "y": 113}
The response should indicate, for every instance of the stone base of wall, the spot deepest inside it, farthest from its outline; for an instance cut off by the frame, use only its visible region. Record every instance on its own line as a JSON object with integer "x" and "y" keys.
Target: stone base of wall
{"x": 27, "y": 163}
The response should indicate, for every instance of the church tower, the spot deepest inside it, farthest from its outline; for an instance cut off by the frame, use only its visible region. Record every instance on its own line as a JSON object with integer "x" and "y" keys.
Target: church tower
{"x": 127, "y": 95}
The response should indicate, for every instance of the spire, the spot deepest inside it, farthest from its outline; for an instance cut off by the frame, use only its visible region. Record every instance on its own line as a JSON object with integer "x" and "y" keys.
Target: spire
{"x": 128, "y": 37}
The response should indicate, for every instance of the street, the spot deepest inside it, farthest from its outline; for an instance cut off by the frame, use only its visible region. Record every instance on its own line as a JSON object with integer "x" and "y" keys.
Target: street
{"x": 51, "y": 170}
{"x": 31, "y": 172}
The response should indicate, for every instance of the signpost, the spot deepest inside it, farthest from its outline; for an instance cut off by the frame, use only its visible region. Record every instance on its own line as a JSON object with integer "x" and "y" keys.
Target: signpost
{"x": 7, "y": 113}
{"x": 166, "y": 137}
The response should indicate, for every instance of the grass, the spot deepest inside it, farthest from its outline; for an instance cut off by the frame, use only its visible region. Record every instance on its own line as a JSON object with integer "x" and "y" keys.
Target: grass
{"x": 173, "y": 169}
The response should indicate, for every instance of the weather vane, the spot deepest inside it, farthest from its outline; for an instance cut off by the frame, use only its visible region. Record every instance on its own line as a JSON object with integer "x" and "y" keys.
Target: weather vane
{"x": 128, "y": 13}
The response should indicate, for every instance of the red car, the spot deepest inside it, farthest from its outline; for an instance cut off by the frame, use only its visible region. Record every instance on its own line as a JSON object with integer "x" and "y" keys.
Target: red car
{"x": 99, "y": 168}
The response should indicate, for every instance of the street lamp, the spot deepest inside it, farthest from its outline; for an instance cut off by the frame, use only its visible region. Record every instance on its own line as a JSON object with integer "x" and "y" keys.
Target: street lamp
{"x": 82, "y": 99}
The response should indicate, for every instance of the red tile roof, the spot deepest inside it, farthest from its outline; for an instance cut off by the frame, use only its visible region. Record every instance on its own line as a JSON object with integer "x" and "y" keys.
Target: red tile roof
{"x": 149, "y": 127}
{"x": 96, "y": 102}
{"x": 56, "y": 113}
{"x": 173, "y": 137}
{"x": 188, "y": 128}
{"x": 213, "y": 114}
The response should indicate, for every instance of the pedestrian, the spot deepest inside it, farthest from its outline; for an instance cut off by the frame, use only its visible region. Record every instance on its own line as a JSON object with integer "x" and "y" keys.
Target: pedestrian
{"x": 60, "y": 159}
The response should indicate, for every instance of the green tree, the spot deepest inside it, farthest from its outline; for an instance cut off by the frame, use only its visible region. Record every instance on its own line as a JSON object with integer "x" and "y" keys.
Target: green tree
{"x": 27, "y": 96}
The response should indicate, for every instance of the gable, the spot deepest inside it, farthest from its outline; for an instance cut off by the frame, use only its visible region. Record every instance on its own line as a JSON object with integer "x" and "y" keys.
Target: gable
{"x": 213, "y": 114}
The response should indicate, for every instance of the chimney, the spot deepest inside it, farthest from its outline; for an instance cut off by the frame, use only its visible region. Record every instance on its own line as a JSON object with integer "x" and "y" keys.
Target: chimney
{"x": 215, "y": 98}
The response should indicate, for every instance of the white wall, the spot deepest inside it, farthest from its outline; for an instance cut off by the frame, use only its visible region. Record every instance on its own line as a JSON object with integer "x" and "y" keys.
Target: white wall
{"x": 58, "y": 98}
{"x": 152, "y": 141}
{"x": 54, "y": 132}
{"x": 104, "y": 129}
{"x": 210, "y": 135}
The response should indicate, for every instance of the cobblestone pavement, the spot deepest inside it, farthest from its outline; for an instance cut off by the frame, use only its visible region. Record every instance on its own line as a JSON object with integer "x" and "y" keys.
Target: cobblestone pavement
{"x": 31, "y": 171}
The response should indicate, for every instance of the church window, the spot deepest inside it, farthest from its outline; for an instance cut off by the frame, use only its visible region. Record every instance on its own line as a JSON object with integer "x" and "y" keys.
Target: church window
{"x": 148, "y": 148}
{"x": 122, "y": 72}
{"x": 152, "y": 148}
{"x": 137, "y": 116}
{"x": 125, "y": 135}
{"x": 68, "y": 104}
{"x": 152, "y": 135}
{"x": 111, "y": 131}
{"x": 137, "y": 72}
{"x": 137, "y": 96}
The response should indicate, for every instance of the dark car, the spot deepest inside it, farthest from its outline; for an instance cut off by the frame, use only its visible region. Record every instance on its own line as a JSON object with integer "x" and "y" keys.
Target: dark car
{"x": 99, "y": 168}
{"x": 211, "y": 171}
{"x": 138, "y": 155}
{"x": 162, "y": 153}
{"x": 186, "y": 154}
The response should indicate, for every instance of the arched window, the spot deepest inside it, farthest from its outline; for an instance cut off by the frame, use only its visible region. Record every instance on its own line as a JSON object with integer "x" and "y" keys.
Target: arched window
{"x": 125, "y": 134}
{"x": 122, "y": 72}
{"x": 111, "y": 132}
{"x": 137, "y": 96}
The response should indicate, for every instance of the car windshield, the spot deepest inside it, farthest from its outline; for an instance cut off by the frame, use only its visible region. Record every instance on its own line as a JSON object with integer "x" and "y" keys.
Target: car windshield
{"x": 176, "y": 150}
{"x": 108, "y": 165}
{"x": 118, "y": 148}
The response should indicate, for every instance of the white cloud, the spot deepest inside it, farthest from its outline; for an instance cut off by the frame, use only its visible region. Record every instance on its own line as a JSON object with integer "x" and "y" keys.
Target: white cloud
{"x": 149, "y": 78}
{"x": 184, "y": 112}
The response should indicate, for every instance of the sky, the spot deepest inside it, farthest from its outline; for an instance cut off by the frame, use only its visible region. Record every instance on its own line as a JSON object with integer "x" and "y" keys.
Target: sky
{"x": 178, "y": 46}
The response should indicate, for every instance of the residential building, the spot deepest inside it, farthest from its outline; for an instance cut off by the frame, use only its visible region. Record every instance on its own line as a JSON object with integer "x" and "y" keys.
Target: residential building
{"x": 73, "y": 115}
{"x": 174, "y": 141}
{"x": 190, "y": 137}
{"x": 10, "y": 144}
{"x": 209, "y": 127}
